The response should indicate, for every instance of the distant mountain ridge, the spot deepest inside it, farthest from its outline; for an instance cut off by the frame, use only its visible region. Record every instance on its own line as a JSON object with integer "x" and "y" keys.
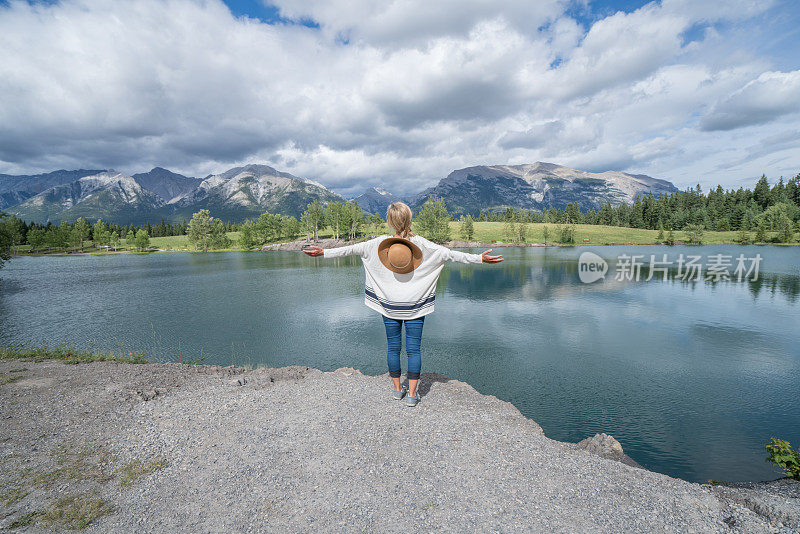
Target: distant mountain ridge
{"x": 376, "y": 200}
{"x": 245, "y": 192}
{"x": 234, "y": 195}
{"x": 166, "y": 184}
{"x": 108, "y": 195}
{"x": 248, "y": 191}
{"x": 537, "y": 186}
{"x": 15, "y": 189}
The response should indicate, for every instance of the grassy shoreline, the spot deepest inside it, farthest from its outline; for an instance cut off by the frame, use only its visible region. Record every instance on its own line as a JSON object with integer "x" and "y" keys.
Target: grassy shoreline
{"x": 69, "y": 354}
{"x": 487, "y": 234}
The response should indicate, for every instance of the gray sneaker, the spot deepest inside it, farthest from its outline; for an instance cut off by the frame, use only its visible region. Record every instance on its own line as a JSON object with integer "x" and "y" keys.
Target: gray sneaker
{"x": 400, "y": 394}
{"x": 412, "y": 401}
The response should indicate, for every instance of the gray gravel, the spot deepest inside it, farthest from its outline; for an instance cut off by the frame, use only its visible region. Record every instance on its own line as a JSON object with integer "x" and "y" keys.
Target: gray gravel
{"x": 301, "y": 450}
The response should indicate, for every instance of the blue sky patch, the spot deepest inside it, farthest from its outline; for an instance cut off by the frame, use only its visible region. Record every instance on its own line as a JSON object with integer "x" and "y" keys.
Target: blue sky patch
{"x": 264, "y": 12}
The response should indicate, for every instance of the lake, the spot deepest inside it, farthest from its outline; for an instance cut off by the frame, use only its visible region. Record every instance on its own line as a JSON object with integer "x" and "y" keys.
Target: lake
{"x": 692, "y": 377}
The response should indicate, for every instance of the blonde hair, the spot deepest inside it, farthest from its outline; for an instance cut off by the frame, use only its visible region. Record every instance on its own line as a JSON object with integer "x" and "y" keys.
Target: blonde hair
{"x": 398, "y": 215}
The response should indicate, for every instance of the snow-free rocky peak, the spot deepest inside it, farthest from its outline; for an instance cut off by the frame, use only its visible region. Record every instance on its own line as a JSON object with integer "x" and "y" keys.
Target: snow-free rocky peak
{"x": 538, "y": 186}
{"x": 166, "y": 184}
{"x": 376, "y": 200}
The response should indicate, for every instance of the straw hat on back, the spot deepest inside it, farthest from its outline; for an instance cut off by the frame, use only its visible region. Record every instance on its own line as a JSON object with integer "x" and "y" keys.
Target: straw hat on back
{"x": 399, "y": 255}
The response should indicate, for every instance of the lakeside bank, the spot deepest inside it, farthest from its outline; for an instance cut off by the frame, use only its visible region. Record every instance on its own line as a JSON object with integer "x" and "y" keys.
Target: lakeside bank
{"x": 175, "y": 447}
{"x": 486, "y": 234}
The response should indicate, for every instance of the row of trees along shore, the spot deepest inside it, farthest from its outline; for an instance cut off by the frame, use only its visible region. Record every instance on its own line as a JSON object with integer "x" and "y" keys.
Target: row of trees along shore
{"x": 766, "y": 210}
{"x": 718, "y": 210}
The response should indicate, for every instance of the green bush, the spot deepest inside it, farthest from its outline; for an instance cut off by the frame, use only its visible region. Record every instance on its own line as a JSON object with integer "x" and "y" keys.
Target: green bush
{"x": 743, "y": 238}
{"x": 782, "y": 455}
{"x": 566, "y": 233}
{"x": 467, "y": 227}
{"x": 694, "y": 233}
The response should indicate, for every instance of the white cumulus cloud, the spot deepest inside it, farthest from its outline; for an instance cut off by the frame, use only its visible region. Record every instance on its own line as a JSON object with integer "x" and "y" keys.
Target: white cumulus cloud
{"x": 764, "y": 99}
{"x": 395, "y": 94}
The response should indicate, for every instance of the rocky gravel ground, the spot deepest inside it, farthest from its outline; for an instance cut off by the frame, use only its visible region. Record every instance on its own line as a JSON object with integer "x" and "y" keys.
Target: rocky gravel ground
{"x": 178, "y": 448}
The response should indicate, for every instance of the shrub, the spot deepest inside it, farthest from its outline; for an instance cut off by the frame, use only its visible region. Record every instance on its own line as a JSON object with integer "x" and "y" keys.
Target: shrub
{"x": 509, "y": 230}
{"x": 142, "y": 240}
{"x": 782, "y": 455}
{"x": 743, "y": 238}
{"x": 784, "y": 228}
{"x": 566, "y": 233}
{"x": 761, "y": 232}
{"x": 467, "y": 227}
{"x": 694, "y": 233}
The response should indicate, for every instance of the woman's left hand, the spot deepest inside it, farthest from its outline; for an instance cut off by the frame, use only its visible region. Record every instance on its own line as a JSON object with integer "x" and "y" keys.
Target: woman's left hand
{"x": 313, "y": 251}
{"x": 490, "y": 259}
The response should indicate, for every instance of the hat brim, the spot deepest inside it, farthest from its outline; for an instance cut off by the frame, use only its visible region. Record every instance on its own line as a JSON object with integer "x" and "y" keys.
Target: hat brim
{"x": 383, "y": 254}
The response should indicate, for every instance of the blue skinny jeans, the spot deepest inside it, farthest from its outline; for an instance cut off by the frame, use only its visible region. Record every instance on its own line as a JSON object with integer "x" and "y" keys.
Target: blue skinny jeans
{"x": 413, "y": 342}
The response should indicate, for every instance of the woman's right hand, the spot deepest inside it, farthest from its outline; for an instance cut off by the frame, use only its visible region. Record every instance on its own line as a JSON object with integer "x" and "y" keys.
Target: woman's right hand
{"x": 491, "y": 259}
{"x": 313, "y": 251}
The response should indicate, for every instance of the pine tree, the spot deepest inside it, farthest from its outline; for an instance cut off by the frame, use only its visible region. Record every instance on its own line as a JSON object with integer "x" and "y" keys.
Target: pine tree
{"x": 218, "y": 237}
{"x": 784, "y": 228}
{"x": 694, "y": 233}
{"x": 762, "y": 193}
{"x": 743, "y": 238}
{"x": 522, "y": 231}
{"x": 467, "y": 227}
{"x": 761, "y": 231}
{"x": 509, "y": 230}
{"x": 6, "y": 238}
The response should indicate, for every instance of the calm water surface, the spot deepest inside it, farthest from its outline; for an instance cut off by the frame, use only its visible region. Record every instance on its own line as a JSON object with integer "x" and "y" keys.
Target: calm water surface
{"x": 692, "y": 378}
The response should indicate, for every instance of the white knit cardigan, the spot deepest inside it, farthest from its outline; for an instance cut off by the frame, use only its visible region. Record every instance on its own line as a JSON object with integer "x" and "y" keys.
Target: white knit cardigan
{"x": 402, "y": 296}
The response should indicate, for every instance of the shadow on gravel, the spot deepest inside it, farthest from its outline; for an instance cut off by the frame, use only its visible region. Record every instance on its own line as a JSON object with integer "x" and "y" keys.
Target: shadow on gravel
{"x": 426, "y": 380}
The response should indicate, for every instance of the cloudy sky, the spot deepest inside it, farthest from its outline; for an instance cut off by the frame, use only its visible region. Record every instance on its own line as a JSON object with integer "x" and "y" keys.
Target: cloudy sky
{"x": 356, "y": 93}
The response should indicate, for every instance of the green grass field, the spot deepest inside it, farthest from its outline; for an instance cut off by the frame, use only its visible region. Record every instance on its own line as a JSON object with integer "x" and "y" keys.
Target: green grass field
{"x": 586, "y": 234}
{"x": 181, "y": 242}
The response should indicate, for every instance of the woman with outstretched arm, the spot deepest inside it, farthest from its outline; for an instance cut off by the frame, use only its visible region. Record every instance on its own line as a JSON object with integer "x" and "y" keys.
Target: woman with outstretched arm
{"x": 401, "y": 273}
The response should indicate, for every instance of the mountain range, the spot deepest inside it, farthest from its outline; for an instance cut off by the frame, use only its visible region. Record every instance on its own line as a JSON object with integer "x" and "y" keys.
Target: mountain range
{"x": 245, "y": 192}
{"x": 538, "y": 186}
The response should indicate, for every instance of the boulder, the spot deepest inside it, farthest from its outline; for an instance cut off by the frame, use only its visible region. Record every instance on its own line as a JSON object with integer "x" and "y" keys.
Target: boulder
{"x": 607, "y": 447}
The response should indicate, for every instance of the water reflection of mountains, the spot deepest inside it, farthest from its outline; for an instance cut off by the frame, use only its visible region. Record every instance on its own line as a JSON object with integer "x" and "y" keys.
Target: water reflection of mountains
{"x": 544, "y": 281}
